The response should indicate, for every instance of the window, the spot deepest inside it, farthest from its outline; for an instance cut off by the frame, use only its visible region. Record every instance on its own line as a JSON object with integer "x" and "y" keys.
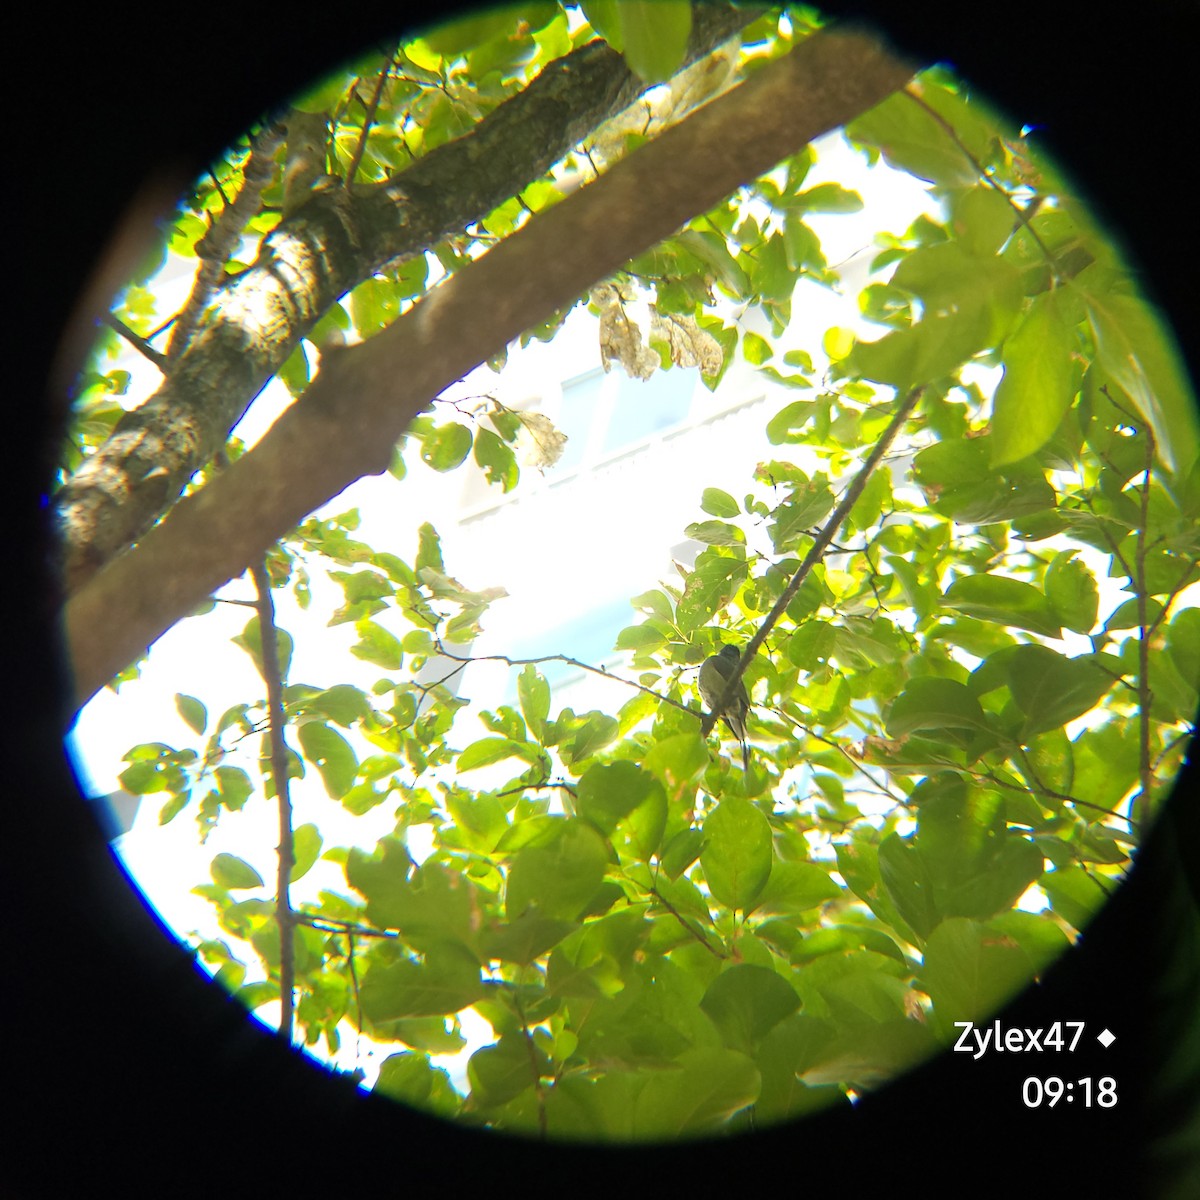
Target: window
{"x": 643, "y": 407}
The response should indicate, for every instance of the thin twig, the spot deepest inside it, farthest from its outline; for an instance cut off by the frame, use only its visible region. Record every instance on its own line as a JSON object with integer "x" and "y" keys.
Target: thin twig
{"x": 336, "y": 925}
{"x": 653, "y": 889}
{"x": 369, "y": 117}
{"x": 1140, "y": 805}
{"x": 574, "y": 662}
{"x": 284, "y": 917}
{"x": 815, "y": 553}
{"x": 882, "y": 788}
{"x": 531, "y": 1047}
{"x": 1024, "y": 217}
{"x": 139, "y": 343}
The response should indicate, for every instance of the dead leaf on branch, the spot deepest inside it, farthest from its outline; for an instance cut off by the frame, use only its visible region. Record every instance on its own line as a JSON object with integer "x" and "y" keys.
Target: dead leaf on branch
{"x": 539, "y": 443}
{"x": 689, "y": 345}
{"x": 621, "y": 337}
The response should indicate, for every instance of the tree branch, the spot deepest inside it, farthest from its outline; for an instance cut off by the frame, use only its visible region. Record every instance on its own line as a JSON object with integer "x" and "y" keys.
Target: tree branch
{"x": 218, "y": 243}
{"x": 365, "y": 397}
{"x": 1140, "y": 804}
{"x": 369, "y": 118}
{"x": 815, "y": 553}
{"x": 563, "y": 658}
{"x": 337, "y": 238}
{"x": 140, "y": 344}
{"x": 284, "y": 916}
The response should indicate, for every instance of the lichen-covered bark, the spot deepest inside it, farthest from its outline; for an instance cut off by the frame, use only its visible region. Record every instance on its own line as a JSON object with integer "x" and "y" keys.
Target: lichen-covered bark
{"x": 316, "y": 255}
{"x": 365, "y": 397}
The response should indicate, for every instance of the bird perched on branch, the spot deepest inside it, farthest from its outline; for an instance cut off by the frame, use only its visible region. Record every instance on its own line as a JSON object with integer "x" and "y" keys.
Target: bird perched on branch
{"x": 715, "y": 673}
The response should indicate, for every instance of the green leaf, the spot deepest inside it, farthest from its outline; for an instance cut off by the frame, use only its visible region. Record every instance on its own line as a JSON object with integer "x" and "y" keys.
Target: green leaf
{"x": 435, "y": 906}
{"x": 1072, "y": 591}
{"x": 709, "y": 246}
{"x": 250, "y": 640}
{"x": 812, "y": 644}
{"x": 411, "y": 1079}
{"x": 718, "y": 504}
{"x": 1038, "y": 384}
{"x": 560, "y": 878}
{"x": 654, "y": 36}
{"x": 332, "y": 755}
{"x": 681, "y": 851}
{"x": 858, "y": 864}
{"x": 604, "y": 16}
{"x": 914, "y": 141}
{"x": 707, "y": 1086}
{"x": 502, "y": 1072}
{"x": 640, "y": 637}
{"x": 746, "y": 1002}
{"x": 796, "y": 886}
{"x": 982, "y": 219}
{"x": 377, "y": 645}
{"x": 1074, "y": 894}
{"x": 528, "y": 937}
{"x": 708, "y": 589}
{"x": 1133, "y": 347}
{"x": 756, "y": 349}
{"x": 497, "y": 460}
{"x": 306, "y": 842}
{"x": 932, "y": 349}
{"x": 487, "y": 751}
{"x": 808, "y": 506}
{"x": 229, "y": 871}
{"x": 343, "y": 703}
{"x": 446, "y": 447}
{"x": 233, "y": 787}
{"x": 446, "y": 982}
{"x": 1051, "y": 689}
{"x": 788, "y": 424}
{"x": 1129, "y": 616}
{"x": 609, "y": 792}
{"x": 1003, "y": 600}
{"x": 429, "y": 551}
{"x": 192, "y": 711}
{"x": 930, "y": 702}
{"x": 908, "y": 883}
{"x": 969, "y": 972}
{"x": 715, "y": 533}
{"x": 828, "y": 198}
{"x": 597, "y": 731}
{"x": 1183, "y": 642}
{"x": 533, "y": 693}
{"x": 976, "y": 867}
{"x": 737, "y": 857}
{"x": 294, "y": 374}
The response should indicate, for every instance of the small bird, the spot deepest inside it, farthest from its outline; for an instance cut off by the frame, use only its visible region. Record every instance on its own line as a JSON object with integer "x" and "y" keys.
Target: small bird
{"x": 715, "y": 673}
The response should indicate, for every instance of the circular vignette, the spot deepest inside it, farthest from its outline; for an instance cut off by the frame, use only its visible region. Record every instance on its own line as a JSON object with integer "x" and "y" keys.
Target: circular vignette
{"x": 963, "y": 58}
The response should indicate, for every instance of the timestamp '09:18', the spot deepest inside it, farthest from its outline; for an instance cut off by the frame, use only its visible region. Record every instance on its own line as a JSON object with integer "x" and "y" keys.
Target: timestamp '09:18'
{"x": 1035, "y": 1092}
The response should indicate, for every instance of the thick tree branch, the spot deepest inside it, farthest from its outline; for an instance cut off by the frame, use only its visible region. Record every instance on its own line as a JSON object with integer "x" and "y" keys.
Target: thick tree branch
{"x": 334, "y": 241}
{"x": 365, "y": 397}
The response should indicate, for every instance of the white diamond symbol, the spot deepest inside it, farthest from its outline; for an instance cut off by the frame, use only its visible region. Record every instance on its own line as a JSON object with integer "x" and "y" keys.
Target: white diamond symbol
{"x": 1106, "y": 1039}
